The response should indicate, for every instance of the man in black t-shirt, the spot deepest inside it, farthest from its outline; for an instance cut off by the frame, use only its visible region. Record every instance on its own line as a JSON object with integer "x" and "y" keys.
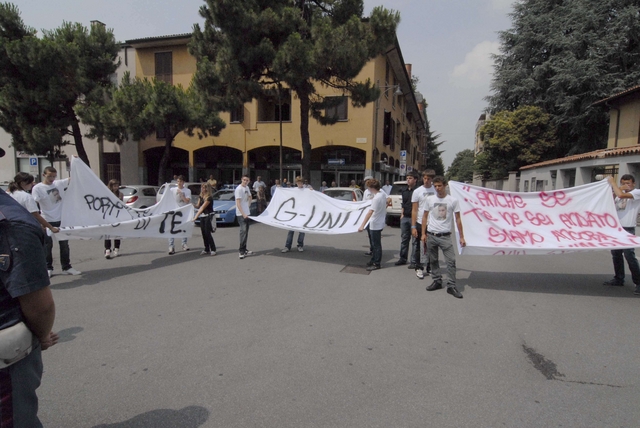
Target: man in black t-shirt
{"x": 405, "y": 219}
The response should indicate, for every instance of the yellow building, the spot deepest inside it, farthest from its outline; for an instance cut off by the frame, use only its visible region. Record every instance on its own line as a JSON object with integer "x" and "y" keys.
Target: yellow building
{"x": 383, "y": 139}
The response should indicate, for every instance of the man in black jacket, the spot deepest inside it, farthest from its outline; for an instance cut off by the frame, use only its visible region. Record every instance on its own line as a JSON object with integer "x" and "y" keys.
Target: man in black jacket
{"x": 405, "y": 220}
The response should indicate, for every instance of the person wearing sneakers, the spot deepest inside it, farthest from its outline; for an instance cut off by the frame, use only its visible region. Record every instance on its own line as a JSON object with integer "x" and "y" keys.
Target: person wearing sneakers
{"x": 207, "y": 222}
{"x": 627, "y": 206}
{"x": 418, "y": 201}
{"x": 405, "y": 222}
{"x": 182, "y": 196}
{"x": 109, "y": 252}
{"x": 243, "y": 206}
{"x": 439, "y": 211}
{"x": 287, "y": 245}
{"x": 377, "y": 214}
{"x": 48, "y": 194}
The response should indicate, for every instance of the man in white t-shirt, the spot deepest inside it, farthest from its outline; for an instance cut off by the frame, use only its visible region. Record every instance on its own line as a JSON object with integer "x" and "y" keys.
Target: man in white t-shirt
{"x": 386, "y": 188}
{"x": 182, "y": 196}
{"x": 48, "y": 194}
{"x": 439, "y": 211}
{"x": 627, "y": 207}
{"x": 377, "y": 214}
{"x": 418, "y": 202}
{"x": 258, "y": 184}
{"x": 243, "y": 206}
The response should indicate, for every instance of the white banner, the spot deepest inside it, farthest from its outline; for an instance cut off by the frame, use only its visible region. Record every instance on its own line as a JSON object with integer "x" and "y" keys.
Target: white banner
{"x": 580, "y": 218}
{"x": 309, "y": 211}
{"x": 91, "y": 211}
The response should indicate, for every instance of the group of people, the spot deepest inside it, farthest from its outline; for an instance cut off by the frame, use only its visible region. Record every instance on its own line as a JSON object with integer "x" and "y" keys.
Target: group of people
{"x": 426, "y": 223}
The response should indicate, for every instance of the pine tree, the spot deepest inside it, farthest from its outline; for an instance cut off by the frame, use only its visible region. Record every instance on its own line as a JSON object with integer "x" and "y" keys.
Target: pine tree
{"x": 433, "y": 156}
{"x": 43, "y": 80}
{"x": 462, "y": 167}
{"x": 247, "y": 46}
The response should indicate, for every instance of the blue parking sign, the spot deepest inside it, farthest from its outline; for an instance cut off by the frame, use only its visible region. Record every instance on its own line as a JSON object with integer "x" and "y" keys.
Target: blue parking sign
{"x": 33, "y": 161}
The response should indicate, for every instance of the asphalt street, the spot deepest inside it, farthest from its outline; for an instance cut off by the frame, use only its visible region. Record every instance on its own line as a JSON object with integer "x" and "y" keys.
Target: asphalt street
{"x": 310, "y": 339}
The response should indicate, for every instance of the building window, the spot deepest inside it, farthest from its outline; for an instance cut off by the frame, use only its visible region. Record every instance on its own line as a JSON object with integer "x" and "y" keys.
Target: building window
{"x": 160, "y": 134}
{"x": 268, "y": 109}
{"x": 164, "y": 67}
{"x": 338, "y": 112}
{"x": 237, "y": 114}
{"x": 387, "y": 132}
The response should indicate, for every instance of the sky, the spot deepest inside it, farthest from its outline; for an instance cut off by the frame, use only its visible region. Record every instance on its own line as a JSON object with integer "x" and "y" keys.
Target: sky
{"x": 448, "y": 42}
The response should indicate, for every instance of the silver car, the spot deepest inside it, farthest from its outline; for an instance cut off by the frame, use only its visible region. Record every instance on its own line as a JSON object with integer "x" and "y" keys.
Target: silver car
{"x": 139, "y": 195}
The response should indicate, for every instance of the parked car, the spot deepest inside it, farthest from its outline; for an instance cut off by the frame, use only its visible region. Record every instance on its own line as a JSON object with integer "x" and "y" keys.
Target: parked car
{"x": 224, "y": 206}
{"x": 193, "y": 186}
{"x": 345, "y": 193}
{"x": 395, "y": 209}
{"x": 139, "y": 196}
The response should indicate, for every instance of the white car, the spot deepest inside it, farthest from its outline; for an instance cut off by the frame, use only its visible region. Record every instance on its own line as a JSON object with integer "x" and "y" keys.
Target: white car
{"x": 138, "y": 195}
{"x": 344, "y": 193}
{"x": 193, "y": 186}
{"x": 395, "y": 209}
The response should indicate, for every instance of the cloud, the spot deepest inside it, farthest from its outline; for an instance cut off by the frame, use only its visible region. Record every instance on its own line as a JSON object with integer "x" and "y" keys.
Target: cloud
{"x": 477, "y": 68}
{"x": 502, "y": 4}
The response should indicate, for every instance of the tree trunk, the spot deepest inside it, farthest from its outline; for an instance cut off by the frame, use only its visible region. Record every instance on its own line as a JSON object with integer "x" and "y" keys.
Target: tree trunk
{"x": 77, "y": 139}
{"x": 166, "y": 156}
{"x": 304, "y": 134}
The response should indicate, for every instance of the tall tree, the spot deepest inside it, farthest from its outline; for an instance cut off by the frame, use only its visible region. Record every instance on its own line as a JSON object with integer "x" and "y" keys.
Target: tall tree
{"x": 141, "y": 107}
{"x": 432, "y": 154}
{"x": 462, "y": 167}
{"x": 43, "y": 80}
{"x": 513, "y": 139}
{"x": 248, "y": 45}
{"x": 562, "y": 56}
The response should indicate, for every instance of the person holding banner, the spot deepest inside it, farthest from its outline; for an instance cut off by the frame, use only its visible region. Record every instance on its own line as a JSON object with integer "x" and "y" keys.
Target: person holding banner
{"x": 627, "y": 206}
{"x": 287, "y": 245}
{"x": 114, "y": 186}
{"x": 182, "y": 196}
{"x": 436, "y": 233}
{"x": 377, "y": 214}
{"x": 205, "y": 206}
{"x": 48, "y": 195}
{"x": 418, "y": 202}
{"x": 19, "y": 189}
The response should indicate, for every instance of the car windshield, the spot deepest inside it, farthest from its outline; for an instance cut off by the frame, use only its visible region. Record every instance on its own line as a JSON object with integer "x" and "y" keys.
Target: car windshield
{"x": 343, "y": 195}
{"x": 397, "y": 189}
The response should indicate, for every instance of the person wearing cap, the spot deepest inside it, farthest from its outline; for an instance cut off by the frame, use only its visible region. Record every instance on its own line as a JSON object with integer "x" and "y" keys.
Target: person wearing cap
{"x": 27, "y": 310}
{"x": 287, "y": 246}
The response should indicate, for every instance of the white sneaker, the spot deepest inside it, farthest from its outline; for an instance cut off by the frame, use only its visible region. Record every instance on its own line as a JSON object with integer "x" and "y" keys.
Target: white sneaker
{"x": 172, "y": 250}
{"x": 248, "y": 253}
{"x": 419, "y": 273}
{"x": 116, "y": 252}
{"x": 71, "y": 271}
{"x": 50, "y": 272}
{"x": 241, "y": 255}
{"x": 107, "y": 254}
{"x": 285, "y": 250}
{"x": 213, "y": 253}
{"x": 184, "y": 247}
{"x": 300, "y": 249}
{"x": 205, "y": 253}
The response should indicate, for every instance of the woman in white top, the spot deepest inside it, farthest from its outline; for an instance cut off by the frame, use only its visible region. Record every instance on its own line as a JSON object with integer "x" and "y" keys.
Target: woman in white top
{"x": 19, "y": 189}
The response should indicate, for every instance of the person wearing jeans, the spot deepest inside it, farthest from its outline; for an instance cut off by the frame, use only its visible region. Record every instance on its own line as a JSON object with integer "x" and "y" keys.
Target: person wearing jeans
{"x": 243, "y": 204}
{"x": 287, "y": 245}
{"x": 405, "y": 221}
{"x": 436, "y": 233}
{"x": 627, "y": 206}
{"x": 377, "y": 215}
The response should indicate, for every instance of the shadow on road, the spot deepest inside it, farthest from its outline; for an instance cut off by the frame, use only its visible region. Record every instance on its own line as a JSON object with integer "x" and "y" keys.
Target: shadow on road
{"x": 573, "y": 284}
{"x": 188, "y": 417}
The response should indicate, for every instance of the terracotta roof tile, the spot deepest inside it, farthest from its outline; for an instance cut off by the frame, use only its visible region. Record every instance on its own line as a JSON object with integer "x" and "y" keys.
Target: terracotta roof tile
{"x": 597, "y": 154}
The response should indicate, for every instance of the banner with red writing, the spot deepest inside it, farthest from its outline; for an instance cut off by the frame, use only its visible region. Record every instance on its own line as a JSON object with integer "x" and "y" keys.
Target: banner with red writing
{"x": 581, "y": 218}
